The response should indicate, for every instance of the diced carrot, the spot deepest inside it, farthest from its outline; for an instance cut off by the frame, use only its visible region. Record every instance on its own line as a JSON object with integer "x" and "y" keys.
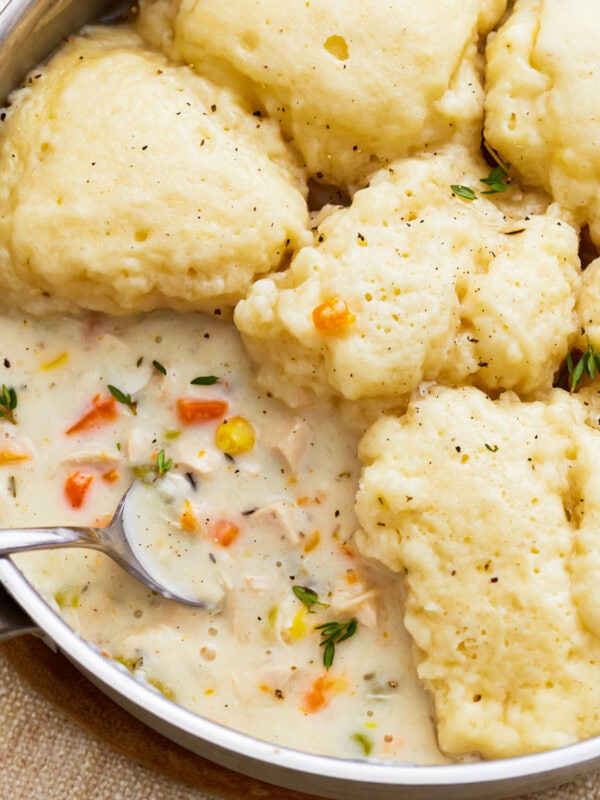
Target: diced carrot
{"x": 76, "y": 487}
{"x": 189, "y": 521}
{"x": 333, "y": 316}
{"x": 347, "y": 551}
{"x": 111, "y": 476}
{"x": 192, "y": 411}
{"x": 224, "y": 532}
{"x": 11, "y": 457}
{"x": 103, "y": 521}
{"x": 321, "y": 693}
{"x": 104, "y": 409}
{"x": 312, "y": 542}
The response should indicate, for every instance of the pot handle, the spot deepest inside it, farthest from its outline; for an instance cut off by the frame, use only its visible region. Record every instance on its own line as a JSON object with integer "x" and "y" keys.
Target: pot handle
{"x": 13, "y": 620}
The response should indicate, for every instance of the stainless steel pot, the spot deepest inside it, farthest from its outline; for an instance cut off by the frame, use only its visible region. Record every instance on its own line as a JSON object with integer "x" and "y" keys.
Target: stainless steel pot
{"x": 29, "y": 30}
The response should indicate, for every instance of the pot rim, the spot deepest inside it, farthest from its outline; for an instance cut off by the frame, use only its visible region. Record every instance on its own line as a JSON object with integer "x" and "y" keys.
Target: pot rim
{"x": 87, "y": 656}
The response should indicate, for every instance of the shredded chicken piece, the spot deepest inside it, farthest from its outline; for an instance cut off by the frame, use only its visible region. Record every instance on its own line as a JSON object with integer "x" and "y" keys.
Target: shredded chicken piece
{"x": 201, "y": 461}
{"x": 356, "y": 599}
{"x": 278, "y": 519}
{"x": 90, "y": 457}
{"x": 139, "y": 447}
{"x": 293, "y": 441}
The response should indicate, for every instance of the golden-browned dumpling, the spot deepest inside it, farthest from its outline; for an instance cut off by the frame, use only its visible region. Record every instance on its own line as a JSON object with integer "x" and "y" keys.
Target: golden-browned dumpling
{"x": 413, "y": 283}
{"x": 353, "y": 84}
{"x": 491, "y": 509}
{"x": 128, "y": 184}
{"x": 543, "y": 84}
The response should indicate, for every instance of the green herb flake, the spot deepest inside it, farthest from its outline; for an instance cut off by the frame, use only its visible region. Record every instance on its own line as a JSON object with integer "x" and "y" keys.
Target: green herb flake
{"x": 162, "y": 688}
{"x": 364, "y": 741}
{"x": 493, "y": 448}
{"x": 463, "y": 191}
{"x": 205, "y": 380}
{"x": 588, "y": 364}
{"x": 143, "y": 471}
{"x": 123, "y": 398}
{"x": 172, "y": 433}
{"x": 163, "y": 465}
{"x": 308, "y": 596}
{"x": 130, "y": 663}
{"x": 159, "y": 367}
{"x": 8, "y": 403}
{"x": 67, "y": 598}
{"x": 333, "y": 633}
{"x": 498, "y": 180}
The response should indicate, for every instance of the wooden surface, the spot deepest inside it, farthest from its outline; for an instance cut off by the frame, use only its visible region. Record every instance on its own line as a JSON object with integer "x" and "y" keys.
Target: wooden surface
{"x": 52, "y": 676}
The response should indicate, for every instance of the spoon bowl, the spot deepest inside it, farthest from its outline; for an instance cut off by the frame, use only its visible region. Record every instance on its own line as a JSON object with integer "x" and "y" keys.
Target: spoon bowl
{"x": 112, "y": 540}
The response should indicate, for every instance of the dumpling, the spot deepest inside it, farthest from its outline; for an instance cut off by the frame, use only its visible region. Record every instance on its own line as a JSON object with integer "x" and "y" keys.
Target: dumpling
{"x": 415, "y": 283}
{"x": 128, "y": 184}
{"x": 353, "y": 84}
{"x": 541, "y": 108}
{"x": 491, "y": 510}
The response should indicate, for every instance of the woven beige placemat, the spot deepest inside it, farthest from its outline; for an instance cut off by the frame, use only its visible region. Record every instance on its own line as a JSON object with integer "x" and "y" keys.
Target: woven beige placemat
{"x": 62, "y": 739}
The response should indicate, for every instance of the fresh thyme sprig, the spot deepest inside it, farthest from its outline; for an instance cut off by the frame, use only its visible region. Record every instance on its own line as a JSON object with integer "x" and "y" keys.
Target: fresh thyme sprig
{"x": 123, "y": 398}
{"x": 333, "y": 633}
{"x": 308, "y": 596}
{"x": 163, "y": 464}
{"x": 8, "y": 403}
{"x": 588, "y": 364}
{"x": 498, "y": 180}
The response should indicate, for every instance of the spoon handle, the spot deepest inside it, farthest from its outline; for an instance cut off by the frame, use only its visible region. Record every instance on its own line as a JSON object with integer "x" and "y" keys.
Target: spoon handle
{"x": 16, "y": 540}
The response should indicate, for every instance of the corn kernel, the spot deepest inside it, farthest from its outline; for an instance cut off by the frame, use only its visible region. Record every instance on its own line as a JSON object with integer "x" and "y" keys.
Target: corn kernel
{"x": 56, "y": 362}
{"x": 234, "y": 436}
{"x": 298, "y": 627}
{"x": 188, "y": 520}
{"x": 332, "y": 316}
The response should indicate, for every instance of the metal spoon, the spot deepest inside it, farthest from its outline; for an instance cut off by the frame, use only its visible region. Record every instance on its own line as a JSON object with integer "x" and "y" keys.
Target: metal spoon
{"x": 111, "y": 540}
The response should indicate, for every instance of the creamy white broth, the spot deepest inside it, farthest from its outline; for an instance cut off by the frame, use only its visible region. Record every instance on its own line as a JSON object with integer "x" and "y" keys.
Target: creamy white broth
{"x": 254, "y": 662}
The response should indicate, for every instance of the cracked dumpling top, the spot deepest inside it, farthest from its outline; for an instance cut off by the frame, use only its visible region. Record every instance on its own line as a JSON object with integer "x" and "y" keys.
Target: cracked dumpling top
{"x": 107, "y": 204}
{"x": 543, "y": 84}
{"x": 353, "y": 84}
{"x": 413, "y": 283}
{"x": 492, "y": 510}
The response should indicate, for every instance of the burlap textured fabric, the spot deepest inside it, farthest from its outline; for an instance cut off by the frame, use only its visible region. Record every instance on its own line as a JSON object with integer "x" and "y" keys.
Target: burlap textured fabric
{"x": 46, "y": 753}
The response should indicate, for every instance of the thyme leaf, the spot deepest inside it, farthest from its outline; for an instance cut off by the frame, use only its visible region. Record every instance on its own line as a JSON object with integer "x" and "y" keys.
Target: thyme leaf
{"x": 463, "y": 191}
{"x": 588, "y": 364}
{"x": 163, "y": 465}
{"x": 498, "y": 180}
{"x": 8, "y": 403}
{"x": 123, "y": 398}
{"x": 308, "y": 596}
{"x": 333, "y": 633}
{"x": 159, "y": 367}
{"x": 205, "y": 380}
